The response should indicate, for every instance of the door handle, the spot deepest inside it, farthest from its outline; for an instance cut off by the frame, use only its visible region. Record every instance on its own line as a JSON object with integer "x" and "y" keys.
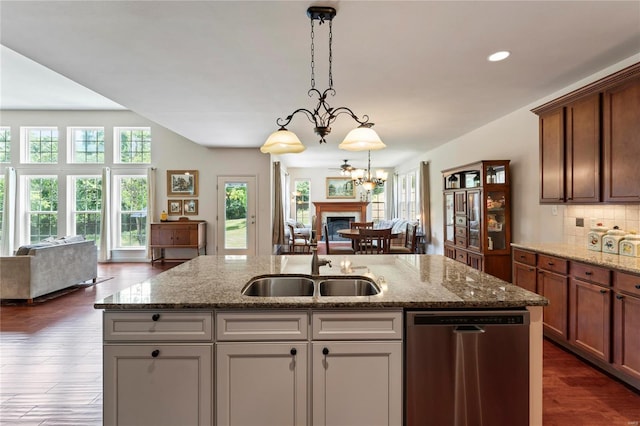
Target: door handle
{"x": 464, "y": 329}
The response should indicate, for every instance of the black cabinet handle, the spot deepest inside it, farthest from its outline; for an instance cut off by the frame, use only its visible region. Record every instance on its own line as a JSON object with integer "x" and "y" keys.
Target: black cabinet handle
{"x": 550, "y": 263}
{"x": 293, "y": 351}
{"x": 619, "y": 296}
{"x": 155, "y": 317}
{"x": 325, "y": 351}
{"x": 155, "y": 353}
{"x": 522, "y": 256}
{"x": 588, "y": 273}
{"x": 532, "y": 269}
{"x": 603, "y": 291}
{"x": 638, "y": 286}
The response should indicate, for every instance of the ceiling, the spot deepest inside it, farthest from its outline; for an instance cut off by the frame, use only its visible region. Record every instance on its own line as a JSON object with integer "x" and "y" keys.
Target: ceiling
{"x": 220, "y": 72}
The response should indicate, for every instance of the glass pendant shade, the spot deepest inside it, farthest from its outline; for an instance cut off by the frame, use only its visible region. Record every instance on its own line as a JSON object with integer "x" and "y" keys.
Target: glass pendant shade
{"x": 362, "y": 138}
{"x": 368, "y": 185}
{"x": 282, "y": 142}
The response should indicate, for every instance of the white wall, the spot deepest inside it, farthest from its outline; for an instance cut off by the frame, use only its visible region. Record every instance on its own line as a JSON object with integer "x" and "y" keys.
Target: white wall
{"x": 513, "y": 137}
{"x": 170, "y": 152}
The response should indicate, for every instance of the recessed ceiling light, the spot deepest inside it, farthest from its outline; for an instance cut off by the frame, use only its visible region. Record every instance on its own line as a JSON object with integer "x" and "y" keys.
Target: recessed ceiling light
{"x": 499, "y": 56}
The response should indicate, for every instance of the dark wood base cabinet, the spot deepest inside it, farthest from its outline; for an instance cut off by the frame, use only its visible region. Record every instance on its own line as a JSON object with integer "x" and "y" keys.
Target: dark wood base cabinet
{"x": 593, "y": 311}
{"x": 187, "y": 234}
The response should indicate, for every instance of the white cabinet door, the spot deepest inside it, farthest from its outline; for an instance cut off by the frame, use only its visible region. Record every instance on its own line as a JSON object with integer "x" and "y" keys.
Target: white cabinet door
{"x": 261, "y": 384}
{"x": 357, "y": 383}
{"x": 158, "y": 385}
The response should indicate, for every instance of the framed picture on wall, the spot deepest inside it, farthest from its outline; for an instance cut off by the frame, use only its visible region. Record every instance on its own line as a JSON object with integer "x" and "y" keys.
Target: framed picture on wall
{"x": 340, "y": 187}
{"x": 182, "y": 182}
{"x": 190, "y": 207}
{"x": 174, "y": 207}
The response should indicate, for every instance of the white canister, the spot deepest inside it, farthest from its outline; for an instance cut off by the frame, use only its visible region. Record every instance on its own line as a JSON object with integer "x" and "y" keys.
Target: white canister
{"x": 630, "y": 246}
{"x": 611, "y": 241}
{"x": 594, "y": 237}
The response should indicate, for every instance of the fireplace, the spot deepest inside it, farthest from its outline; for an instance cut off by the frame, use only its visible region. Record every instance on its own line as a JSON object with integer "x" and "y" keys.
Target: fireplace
{"x": 334, "y": 224}
{"x": 357, "y": 210}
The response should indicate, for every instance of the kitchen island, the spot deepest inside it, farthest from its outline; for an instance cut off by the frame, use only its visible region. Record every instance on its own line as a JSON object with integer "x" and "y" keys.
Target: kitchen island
{"x": 160, "y": 337}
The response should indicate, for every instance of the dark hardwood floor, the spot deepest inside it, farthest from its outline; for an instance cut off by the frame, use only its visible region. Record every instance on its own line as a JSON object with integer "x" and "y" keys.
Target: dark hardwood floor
{"x": 51, "y": 365}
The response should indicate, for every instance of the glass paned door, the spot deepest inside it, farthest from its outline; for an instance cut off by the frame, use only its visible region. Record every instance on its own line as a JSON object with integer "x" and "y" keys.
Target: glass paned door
{"x": 474, "y": 214}
{"x": 496, "y": 220}
{"x": 449, "y": 217}
{"x": 236, "y": 216}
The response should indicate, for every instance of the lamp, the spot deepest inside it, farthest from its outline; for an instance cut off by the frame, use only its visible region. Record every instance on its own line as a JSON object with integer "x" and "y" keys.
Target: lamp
{"x": 346, "y": 169}
{"x": 362, "y": 138}
{"x": 364, "y": 178}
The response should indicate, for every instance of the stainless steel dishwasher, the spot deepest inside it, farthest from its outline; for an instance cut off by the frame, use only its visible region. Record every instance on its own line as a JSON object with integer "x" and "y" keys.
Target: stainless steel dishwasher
{"x": 467, "y": 368}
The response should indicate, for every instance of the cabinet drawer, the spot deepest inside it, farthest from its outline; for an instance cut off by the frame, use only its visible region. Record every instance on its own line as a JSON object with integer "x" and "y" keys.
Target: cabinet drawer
{"x": 461, "y": 231}
{"x": 261, "y": 326}
{"x": 461, "y": 241}
{"x": 461, "y": 256}
{"x": 356, "y": 325}
{"x": 552, "y": 264}
{"x": 525, "y": 257}
{"x": 158, "y": 326}
{"x": 461, "y": 221}
{"x": 591, "y": 273}
{"x": 627, "y": 282}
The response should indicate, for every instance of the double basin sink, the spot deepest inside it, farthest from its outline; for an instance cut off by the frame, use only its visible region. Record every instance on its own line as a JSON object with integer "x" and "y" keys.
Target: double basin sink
{"x": 300, "y": 286}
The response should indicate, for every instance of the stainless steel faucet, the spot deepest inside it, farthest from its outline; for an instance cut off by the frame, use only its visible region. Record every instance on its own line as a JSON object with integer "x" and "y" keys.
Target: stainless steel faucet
{"x": 316, "y": 262}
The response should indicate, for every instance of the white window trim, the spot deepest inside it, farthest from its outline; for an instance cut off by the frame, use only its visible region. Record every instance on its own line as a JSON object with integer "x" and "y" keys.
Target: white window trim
{"x": 116, "y": 212}
{"x": 71, "y": 200}
{"x": 71, "y": 152}
{"x": 25, "y": 231}
{"x": 7, "y": 128}
{"x": 24, "y": 144}
{"x": 117, "y": 154}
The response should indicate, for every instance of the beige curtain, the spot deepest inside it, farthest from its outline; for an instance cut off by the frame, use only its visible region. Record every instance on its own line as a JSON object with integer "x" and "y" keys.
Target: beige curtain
{"x": 9, "y": 212}
{"x": 277, "y": 236}
{"x": 151, "y": 203}
{"x": 425, "y": 203}
{"x": 104, "y": 252}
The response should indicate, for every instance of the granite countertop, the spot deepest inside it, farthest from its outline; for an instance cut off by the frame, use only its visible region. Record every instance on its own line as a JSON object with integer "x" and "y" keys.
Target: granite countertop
{"x": 407, "y": 281}
{"x": 582, "y": 254}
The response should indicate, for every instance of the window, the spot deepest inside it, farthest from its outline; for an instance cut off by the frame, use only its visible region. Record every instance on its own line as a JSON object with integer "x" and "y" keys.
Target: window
{"x": 5, "y": 145}
{"x": 132, "y": 193}
{"x": 86, "y": 206}
{"x": 302, "y": 197}
{"x": 42, "y": 207}
{"x": 41, "y": 145}
{"x": 378, "y": 203}
{"x": 86, "y": 145}
{"x": 133, "y": 145}
{"x": 407, "y": 201}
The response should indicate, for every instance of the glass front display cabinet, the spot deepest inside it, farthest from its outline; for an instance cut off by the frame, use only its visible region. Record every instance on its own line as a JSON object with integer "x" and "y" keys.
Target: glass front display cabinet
{"x": 477, "y": 216}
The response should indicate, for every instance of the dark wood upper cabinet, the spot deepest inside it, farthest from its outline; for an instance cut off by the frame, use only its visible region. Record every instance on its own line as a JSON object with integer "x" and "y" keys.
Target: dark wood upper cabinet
{"x": 583, "y": 150}
{"x": 590, "y": 142}
{"x": 622, "y": 142}
{"x": 552, "y": 156}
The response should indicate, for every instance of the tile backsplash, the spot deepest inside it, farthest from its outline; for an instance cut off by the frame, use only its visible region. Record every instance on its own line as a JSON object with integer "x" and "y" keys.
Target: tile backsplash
{"x": 626, "y": 217}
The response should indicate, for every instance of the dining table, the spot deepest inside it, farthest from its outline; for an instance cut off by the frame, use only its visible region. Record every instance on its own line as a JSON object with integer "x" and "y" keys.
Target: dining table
{"x": 354, "y": 235}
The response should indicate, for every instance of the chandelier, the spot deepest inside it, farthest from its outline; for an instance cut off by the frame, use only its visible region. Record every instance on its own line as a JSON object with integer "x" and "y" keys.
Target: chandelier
{"x": 364, "y": 178}
{"x": 362, "y": 138}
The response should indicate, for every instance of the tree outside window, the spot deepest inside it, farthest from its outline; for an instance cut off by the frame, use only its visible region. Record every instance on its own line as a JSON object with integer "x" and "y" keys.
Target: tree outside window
{"x": 133, "y": 211}
{"x": 87, "y": 144}
{"x": 43, "y": 208}
{"x": 134, "y": 145}
{"x": 87, "y": 206}
{"x": 302, "y": 200}
{"x": 5, "y": 145}
{"x": 41, "y": 145}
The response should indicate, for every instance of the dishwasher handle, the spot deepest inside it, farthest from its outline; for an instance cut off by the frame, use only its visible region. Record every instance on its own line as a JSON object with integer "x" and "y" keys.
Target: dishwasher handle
{"x": 468, "y": 329}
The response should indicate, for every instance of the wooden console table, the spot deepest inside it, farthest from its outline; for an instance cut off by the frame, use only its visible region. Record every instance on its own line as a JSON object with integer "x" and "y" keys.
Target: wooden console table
{"x": 187, "y": 234}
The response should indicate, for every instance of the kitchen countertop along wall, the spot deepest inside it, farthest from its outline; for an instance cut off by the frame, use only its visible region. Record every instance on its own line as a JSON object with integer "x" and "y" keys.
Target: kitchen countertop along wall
{"x": 582, "y": 254}
{"x": 407, "y": 281}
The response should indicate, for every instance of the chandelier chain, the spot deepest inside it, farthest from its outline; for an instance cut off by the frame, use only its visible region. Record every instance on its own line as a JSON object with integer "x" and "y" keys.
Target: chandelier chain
{"x": 330, "y": 54}
{"x": 313, "y": 62}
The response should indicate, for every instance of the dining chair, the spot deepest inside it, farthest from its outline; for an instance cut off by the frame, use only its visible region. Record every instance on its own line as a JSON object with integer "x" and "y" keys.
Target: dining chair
{"x": 335, "y": 250}
{"x": 298, "y": 243}
{"x": 410, "y": 239}
{"x": 373, "y": 241}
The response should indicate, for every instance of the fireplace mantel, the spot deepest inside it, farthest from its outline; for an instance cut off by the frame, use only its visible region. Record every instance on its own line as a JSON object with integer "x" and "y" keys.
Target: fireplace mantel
{"x": 340, "y": 206}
